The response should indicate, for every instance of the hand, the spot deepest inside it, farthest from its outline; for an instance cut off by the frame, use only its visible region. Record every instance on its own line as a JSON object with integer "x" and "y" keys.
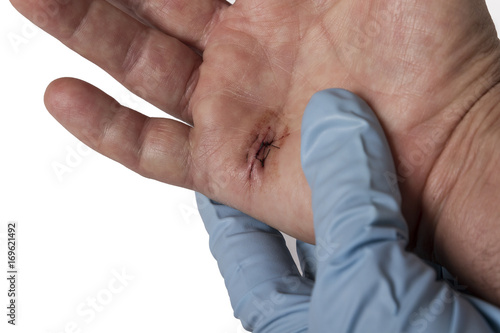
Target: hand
{"x": 242, "y": 76}
{"x": 358, "y": 277}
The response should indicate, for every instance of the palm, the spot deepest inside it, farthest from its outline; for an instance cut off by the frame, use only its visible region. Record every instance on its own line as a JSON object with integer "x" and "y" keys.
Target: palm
{"x": 262, "y": 61}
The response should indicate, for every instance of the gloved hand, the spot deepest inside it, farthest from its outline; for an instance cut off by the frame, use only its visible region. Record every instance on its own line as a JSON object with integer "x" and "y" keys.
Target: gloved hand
{"x": 358, "y": 277}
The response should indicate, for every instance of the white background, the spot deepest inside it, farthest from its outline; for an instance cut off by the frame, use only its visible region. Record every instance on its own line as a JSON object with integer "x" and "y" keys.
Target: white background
{"x": 79, "y": 229}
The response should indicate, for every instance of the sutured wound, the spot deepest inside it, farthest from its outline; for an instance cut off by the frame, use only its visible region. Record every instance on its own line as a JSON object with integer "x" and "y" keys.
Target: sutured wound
{"x": 264, "y": 150}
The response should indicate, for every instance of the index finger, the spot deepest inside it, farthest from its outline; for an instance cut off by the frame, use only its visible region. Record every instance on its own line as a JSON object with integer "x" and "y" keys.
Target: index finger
{"x": 156, "y": 148}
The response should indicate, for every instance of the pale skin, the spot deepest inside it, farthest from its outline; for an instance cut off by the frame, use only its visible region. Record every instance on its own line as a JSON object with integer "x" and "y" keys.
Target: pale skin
{"x": 242, "y": 75}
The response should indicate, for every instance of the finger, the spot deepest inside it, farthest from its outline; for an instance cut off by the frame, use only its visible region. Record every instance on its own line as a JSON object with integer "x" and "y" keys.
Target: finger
{"x": 307, "y": 259}
{"x": 153, "y": 147}
{"x": 266, "y": 290}
{"x": 156, "y": 67}
{"x": 190, "y": 21}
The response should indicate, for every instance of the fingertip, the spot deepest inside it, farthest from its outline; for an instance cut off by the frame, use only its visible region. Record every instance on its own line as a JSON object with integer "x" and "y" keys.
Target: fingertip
{"x": 66, "y": 94}
{"x": 56, "y": 95}
{"x": 51, "y": 93}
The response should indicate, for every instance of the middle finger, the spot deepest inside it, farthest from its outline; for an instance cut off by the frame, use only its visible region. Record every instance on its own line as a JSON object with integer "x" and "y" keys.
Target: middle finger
{"x": 157, "y": 67}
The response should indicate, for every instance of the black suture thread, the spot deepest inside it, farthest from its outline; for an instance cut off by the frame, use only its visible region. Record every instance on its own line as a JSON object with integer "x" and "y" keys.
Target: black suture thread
{"x": 264, "y": 145}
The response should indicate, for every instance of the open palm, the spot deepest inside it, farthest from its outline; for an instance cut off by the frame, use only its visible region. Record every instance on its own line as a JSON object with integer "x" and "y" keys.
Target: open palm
{"x": 241, "y": 76}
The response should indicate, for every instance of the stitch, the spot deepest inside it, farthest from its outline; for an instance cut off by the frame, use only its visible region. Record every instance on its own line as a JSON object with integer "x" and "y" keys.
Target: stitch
{"x": 270, "y": 132}
{"x": 263, "y": 146}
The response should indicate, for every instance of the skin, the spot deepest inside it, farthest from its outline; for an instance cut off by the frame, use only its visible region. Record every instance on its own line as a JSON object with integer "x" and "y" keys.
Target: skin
{"x": 241, "y": 76}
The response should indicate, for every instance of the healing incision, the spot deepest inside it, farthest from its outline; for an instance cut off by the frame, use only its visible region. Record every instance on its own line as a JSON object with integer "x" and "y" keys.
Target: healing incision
{"x": 264, "y": 150}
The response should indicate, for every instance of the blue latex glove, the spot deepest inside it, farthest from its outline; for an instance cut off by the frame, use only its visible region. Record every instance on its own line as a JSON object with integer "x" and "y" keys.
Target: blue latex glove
{"x": 358, "y": 277}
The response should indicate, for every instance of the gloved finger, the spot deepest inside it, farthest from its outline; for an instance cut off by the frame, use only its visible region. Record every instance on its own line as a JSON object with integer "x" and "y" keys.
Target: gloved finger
{"x": 267, "y": 292}
{"x": 369, "y": 283}
{"x": 307, "y": 259}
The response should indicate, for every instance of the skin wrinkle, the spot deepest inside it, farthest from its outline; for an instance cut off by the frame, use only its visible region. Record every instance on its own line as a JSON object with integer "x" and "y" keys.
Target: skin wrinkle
{"x": 268, "y": 58}
{"x": 462, "y": 115}
{"x": 75, "y": 31}
{"x": 195, "y": 171}
{"x": 146, "y": 11}
{"x": 163, "y": 7}
{"x": 186, "y": 99}
{"x": 187, "y": 163}
{"x": 463, "y": 102}
{"x": 104, "y": 130}
{"x": 216, "y": 17}
{"x": 142, "y": 139}
{"x": 479, "y": 56}
{"x": 136, "y": 7}
{"x": 440, "y": 191}
{"x": 132, "y": 8}
{"x": 135, "y": 52}
{"x": 458, "y": 181}
{"x": 479, "y": 213}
